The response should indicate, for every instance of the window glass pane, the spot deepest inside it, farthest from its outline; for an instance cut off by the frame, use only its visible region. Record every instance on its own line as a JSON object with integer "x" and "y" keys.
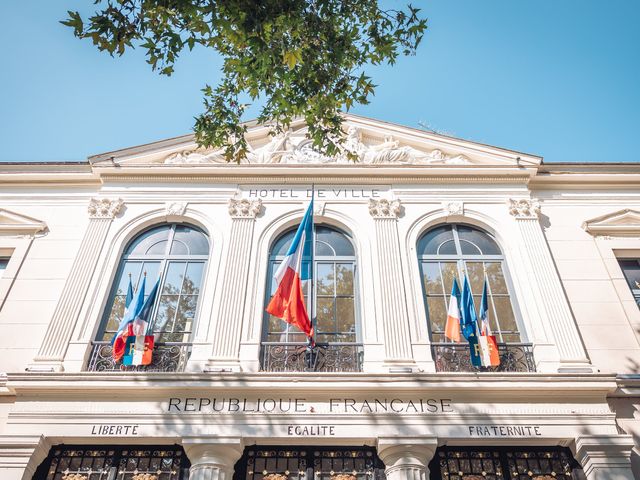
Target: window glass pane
{"x": 482, "y": 240}
{"x": 344, "y": 279}
{"x": 193, "y": 278}
{"x": 166, "y": 313}
{"x": 158, "y": 248}
{"x": 475, "y": 273}
{"x": 174, "y": 277}
{"x": 323, "y": 249}
{"x": 430, "y": 241}
{"x": 338, "y": 240}
{"x": 469, "y": 248}
{"x": 631, "y": 270}
{"x": 179, "y": 248}
{"x": 4, "y": 261}
{"x": 282, "y": 244}
{"x": 195, "y": 242}
{"x": 130, "y": 271}
{"x": 345, "y": 315}
{"x": 449, "y": 272}
{"x": 431, "y": 277}
{"x": 505, "y": 314}
{"x": 447, "y": 248}
{"x": 324, "y": 279}
{"x": 496, "y": 278}
{"x": 142, "y": 242}
{"x": 437, "y": 313}
{"x": 324, "y": 315}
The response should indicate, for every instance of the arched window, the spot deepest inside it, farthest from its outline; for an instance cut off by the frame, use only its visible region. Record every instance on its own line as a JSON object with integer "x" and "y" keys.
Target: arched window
{"x": 451, "y": 251}
{"x": 178, "y": 254}
{"x": 334, "y": 289}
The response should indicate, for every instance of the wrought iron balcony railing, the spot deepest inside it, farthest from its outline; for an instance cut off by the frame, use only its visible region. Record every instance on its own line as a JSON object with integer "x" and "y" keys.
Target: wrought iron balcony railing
{"x": 167, "y": 357}
{"x": 298, "y": 357}
{"x": 455, "y": 357}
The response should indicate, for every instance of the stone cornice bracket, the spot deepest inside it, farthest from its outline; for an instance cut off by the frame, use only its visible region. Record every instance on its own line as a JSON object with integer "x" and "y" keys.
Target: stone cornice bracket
{"x": 104, "y": 207}
{"x": 524, "y": 209}
{"x": 384, "y": 208}
{"x": 243, "y": 208}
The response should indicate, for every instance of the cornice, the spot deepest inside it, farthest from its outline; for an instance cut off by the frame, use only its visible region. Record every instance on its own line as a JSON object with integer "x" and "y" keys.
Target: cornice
{"x": 490, "y": 384}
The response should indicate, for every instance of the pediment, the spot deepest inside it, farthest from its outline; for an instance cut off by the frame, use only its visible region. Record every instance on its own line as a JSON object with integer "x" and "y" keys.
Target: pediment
{"x": 17, "y": 223}
{"x": 623, "y": 223}
{"x": 374, "y": 142}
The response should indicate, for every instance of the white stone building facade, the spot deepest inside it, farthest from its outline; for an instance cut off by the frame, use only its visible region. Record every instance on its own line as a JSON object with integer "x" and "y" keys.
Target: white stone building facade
{"x": 233, "y": 393}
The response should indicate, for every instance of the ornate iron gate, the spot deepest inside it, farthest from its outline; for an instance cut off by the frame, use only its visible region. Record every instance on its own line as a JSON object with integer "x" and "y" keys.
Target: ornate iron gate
{"x": 109, "y": 462}
{"x": 504, "y": 463}
{"x": 309, "y": 463}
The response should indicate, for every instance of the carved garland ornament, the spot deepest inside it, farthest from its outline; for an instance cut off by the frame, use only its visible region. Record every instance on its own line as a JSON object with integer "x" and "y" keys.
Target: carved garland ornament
{"x": 384, "y": 208}
{"x": 243, "y": 208}
{"x": 524, "y": 209}
{"x": 104, "y": 207}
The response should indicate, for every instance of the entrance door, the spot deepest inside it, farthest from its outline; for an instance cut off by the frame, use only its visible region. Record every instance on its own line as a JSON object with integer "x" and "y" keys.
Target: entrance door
{"x": 309, "y": 463}
{"x": 504, "y": 463}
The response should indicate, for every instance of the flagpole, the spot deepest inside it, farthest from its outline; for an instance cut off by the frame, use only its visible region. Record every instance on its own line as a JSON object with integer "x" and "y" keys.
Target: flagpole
{"x": 313, "y": 267}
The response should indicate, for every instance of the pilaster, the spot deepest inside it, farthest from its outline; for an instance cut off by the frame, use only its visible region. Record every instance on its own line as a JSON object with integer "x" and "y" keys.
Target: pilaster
{"x": 20, "y": 456}
{"x": 605, "y": 457}
{"x": 394, "y": 317}
{"x": 552, "y": 302}
{"x": 226, "y": 344}
{"x": 212, "y": 459}
{"x": 407, "y": 458}
{"x": 101, "y": 211}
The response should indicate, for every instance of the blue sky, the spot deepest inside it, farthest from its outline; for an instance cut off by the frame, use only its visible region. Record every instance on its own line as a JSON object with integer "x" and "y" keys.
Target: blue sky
{"x": 557, "y": 78}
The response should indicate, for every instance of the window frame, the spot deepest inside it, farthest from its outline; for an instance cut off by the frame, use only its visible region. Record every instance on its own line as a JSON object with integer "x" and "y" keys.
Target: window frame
{"x": 635, "y": 292}
{"x": 274, "y": 261}
{"x": 164, "y": 260}
{"x": 461, "y": 265}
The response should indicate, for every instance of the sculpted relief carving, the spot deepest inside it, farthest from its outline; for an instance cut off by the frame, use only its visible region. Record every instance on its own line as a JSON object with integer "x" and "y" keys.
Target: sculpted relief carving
{"x": 294, "y": 148}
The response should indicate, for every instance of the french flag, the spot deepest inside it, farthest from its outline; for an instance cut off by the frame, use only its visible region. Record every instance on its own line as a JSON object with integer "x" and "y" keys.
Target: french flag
{"x": 293, "y": 274}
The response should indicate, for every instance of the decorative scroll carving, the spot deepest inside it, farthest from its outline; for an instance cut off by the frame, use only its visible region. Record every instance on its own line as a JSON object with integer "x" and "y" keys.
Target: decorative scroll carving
{"x": 524, "y": 209}
{"x": 243, "y": 208}
{"x": 384, "y": 208}
{"x": 175, "y": 208}
{"x": 289, "y": 147}
{"x": 104, "y": 207}
{"x": 453, "y": 208}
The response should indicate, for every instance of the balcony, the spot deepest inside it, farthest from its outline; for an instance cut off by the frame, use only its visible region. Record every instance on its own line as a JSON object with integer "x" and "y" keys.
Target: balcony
{"x": 298, "y": 357}
{"x": 454, "y": 357}
{"x": 167, "y": 357}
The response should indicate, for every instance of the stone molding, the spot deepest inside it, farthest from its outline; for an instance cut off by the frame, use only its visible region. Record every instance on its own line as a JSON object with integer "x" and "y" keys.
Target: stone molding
{"x": 244, "y": 208}
{"x": 104, "y": 207}
{"x": 622, "y": 223}
{"x": 384, "y": 208}
{"x": 605, "y": 457}
{"x": 23, "y": 453}
{"x": 524, "y": 208}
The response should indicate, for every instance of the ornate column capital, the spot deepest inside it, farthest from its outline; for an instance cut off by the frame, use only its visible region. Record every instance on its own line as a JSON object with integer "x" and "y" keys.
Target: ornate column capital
{"x": 524, "y": 208}
{"x": 104, "y": 207}
{"x": 243, "y": 208}
{"x": 384, "y": 208}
